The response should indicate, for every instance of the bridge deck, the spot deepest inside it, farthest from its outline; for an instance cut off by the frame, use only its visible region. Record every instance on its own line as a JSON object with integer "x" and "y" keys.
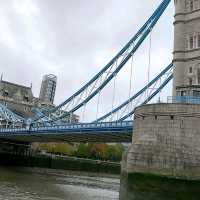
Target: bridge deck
{"x": 84, "y": 132}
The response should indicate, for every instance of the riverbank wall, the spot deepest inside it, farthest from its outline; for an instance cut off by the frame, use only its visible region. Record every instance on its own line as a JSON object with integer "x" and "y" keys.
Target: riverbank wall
{"x": 60, "y": 162}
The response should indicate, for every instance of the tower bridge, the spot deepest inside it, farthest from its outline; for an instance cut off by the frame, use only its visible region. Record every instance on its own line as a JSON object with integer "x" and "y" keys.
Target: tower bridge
{"x": 165, "y": 136}
{"x": 53, "y": 117}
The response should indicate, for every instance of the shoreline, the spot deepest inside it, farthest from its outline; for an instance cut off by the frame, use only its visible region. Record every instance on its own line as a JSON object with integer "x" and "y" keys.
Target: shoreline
{"x": 61, "y": 162}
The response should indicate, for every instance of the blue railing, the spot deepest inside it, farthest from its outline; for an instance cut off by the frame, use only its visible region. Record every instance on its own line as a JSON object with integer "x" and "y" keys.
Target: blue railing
{"x": 70, "y": 127}
{"x": 183, "y": 99}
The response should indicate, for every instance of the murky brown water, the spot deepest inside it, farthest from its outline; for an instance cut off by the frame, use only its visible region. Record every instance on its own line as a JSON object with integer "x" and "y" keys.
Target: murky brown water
{"x": 44, "y": 184}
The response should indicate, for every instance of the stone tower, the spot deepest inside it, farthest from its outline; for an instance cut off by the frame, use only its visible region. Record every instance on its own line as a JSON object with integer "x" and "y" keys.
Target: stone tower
{"x": 186, "y": 48}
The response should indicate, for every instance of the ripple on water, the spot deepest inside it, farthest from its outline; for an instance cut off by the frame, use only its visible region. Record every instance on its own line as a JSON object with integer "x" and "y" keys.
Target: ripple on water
{"x": 26, "y": 184}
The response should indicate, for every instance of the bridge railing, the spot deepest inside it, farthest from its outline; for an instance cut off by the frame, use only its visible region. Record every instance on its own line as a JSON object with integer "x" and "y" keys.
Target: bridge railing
{"x": 88, "y": 125}
{"x": 183, "y": 99}
{"x": 71, "y": 126}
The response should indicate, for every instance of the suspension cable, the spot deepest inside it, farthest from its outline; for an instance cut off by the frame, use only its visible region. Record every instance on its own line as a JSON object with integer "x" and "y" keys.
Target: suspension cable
{"x": 149, "y": 62}
{"x": 114, "y": 92}
{"x": 98, "y": 100}
{"x": 84, "y": 109}
{"x": 139, "y": 37}
{"x": 130, "y": 82}
{"x": 159, "y": 97}
{"x": 142, "y": 91}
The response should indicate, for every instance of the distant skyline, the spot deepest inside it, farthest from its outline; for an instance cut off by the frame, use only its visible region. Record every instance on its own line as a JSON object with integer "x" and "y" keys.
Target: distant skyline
{"x": 75, "y": 39}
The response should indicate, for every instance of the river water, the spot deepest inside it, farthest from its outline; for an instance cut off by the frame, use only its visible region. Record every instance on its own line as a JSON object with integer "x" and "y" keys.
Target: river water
{"x": 45, "y": 184}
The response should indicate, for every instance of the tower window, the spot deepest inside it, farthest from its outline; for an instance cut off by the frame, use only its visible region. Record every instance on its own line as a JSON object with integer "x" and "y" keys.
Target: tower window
{"x": 5, "y": 93}
{"x": 198, "y": 75}
{"x": 196, "y": 93}
{"x": 190, "y": 81}
{"x": 194, "y": 41}
{"x": 198, "y": 39}
{"x": 191, "y": 42}
{"x": 26, "y": 98}
{"x": 190, "y": 70}
{"x": 183, "y": 93}
{"x": 191, "y": 5}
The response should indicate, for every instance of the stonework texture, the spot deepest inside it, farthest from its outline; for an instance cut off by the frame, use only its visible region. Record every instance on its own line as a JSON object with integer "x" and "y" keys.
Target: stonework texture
{"x": 186, "y": 43}
{"x": 166, "y": 141}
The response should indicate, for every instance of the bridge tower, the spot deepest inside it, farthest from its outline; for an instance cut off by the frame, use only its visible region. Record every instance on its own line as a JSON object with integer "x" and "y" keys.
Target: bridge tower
{"x": 186, "y": 48}
{"x": 166, "y": 136}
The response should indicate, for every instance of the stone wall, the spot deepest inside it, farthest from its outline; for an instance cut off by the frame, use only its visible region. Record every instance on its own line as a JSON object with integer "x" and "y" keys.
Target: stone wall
{"x": 186, "y": 60}
{"x": 166, "y": 141}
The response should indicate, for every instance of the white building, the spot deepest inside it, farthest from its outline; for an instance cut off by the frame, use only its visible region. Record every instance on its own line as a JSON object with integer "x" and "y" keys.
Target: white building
{"x": 48, "y": 88}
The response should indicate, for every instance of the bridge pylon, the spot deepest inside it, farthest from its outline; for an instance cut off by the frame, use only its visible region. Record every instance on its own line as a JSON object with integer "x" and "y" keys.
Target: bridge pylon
{"x": 186, "y": 60}
{"x": 166, "y": 137}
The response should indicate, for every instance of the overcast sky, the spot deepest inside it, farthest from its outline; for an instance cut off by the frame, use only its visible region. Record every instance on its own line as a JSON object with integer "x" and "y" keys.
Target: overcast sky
{"x": 74, "y": 39}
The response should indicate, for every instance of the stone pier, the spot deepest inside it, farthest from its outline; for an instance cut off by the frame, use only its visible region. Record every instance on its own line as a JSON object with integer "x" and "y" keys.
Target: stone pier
{"x": 165, "y": 149}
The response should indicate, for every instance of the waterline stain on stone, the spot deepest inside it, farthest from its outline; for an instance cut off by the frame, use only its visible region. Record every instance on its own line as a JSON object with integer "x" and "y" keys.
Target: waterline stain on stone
{"x": 138, "y": 186}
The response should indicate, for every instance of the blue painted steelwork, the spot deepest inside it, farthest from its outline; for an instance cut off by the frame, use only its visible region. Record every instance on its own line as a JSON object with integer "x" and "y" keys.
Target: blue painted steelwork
{"x": 149, "y": 98}
{"x": 165, "y": 72}
{"x": 39, "y": 113}
{"x": 84, "y": 132}
{"x": 118, "y": 131}
{"x": 82, "y": 96}
{"x": 183, "y": 99}
{"x": 43, "y": 119}
{"x": 8, "y": 118}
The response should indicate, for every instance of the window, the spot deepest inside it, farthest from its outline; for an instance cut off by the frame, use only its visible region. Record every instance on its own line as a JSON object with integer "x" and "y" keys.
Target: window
{"x": 194, "y": 41}
{"x": 5, "y": 93}
{"x": 190, "y": 70}
{"x": 191, "y": 5}
{"x": 191, "y": 42}
{"x": 26, "y": 98}
{"x": 183, "y": 93}
{"x": 196, "y": 93}
{"x": 198, "y": 75}
{"x": 190, "y": 81}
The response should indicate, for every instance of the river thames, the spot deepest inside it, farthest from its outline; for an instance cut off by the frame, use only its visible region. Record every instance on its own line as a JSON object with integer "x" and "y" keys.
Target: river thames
{"x": 18, "y": 183}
